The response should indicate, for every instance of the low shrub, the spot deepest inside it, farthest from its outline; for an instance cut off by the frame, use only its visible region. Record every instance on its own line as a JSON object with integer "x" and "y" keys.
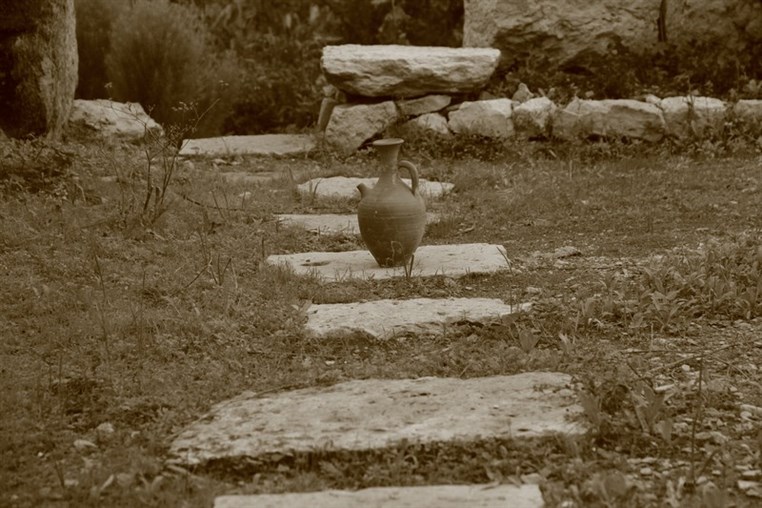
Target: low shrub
{"x": 162, "y": 56}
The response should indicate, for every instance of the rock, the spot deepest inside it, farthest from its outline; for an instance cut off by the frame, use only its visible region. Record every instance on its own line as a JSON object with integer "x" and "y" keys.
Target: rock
{"x": 523, "y": 94}
{"x": 426, "y": 125}
{"x": 440, "y": 496}
{"x": 430, "y": 260}
{"x": 262, "y": 144}
{"x": 423, "y": 105}
{"x": 38, "y": 66}
{"x": 378, "y": 413}
{"x": 532, "y": 118}
{"x": 748, "y": 112}
{"x": 414, "y": 317}
{"x": 687, "y": 116}
{"x": 352, "y": 125}
{"x": 110, "y": 121}
{"x": 407, "y": 71}
{"x": 617, "y": 118}
{"x": 491, "y": 118}
{"x": 565, "y": 34}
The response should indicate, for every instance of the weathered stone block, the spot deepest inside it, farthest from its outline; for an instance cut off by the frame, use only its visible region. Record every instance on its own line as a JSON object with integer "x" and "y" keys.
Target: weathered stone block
{"x": 688, "y": 116}
{"x": 490, "y": 118}
{"x": 532, "y": 117}
{"x": 352, "y": 125}
{"x": 407, "y": 71}
{"x": 426, "y": 125}
{"x": 111, "y": 121}
{"x": 423, "y": 105}
{"x": 618, "y": 118}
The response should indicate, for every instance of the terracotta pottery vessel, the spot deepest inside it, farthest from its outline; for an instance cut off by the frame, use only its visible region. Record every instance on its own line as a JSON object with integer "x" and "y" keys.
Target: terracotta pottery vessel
{"x": 392, "y": 216}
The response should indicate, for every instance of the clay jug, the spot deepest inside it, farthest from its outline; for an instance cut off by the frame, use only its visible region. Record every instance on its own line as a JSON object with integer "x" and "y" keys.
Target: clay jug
{"x": 392, "y": 216}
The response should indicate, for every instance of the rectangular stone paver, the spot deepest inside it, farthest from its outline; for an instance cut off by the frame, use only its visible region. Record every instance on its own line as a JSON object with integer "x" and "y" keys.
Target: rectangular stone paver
{"x": 328, "y": 223}
{"x": 262, "y": 144}
{"x": 451, "y": 260}
{"x": 343, "y": 187}
{"x": 383, "y": 319}
{"x": 434, "y": 496}
{"x": 379, "y": 413}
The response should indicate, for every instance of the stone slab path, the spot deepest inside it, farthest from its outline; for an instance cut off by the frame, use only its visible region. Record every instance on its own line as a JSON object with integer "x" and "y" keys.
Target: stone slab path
{"x": 263, "y": 144}
{"x": 378, "y": 413}
{"x": 332, "y": 223}
{"x": 435, "y": 496}
{"x": 450, "y": 260}
{"x": 383, "y": 319}
{"x": 343, "y": 187}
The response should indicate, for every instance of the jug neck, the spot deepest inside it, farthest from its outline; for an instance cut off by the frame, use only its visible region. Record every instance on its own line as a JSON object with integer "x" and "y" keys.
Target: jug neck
{"x": 388, "y": 152}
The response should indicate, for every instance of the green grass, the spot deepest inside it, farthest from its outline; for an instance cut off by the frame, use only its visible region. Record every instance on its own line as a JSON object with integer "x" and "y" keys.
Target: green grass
{"x": 111, "y": 315}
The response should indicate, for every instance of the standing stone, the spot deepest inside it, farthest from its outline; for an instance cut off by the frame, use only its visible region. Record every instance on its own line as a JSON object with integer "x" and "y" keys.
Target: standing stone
{"x": 532, "y": 118}
{"x": 564, "y": 32}
{"x": 617, "y": 118}
{"x": 38, "y": 66}
{"x": 407, "y": 71}
{"x": 688, "y": 116}
{"x": 352, "y": 125}
{"x": 490, "y": 118}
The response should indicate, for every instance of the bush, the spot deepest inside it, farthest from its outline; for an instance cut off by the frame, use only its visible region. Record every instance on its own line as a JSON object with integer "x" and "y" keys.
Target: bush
{"x": 161, "y": 55}
{"x": 94, "y": 20}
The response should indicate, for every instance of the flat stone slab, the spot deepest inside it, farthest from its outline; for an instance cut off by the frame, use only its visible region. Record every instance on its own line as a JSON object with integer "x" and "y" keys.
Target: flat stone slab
{"x": 343, "y": 187}
{"x": 407, "y": 71}
{"x": 384, "y": 319}
{"x": 263, "y": 144}
{"x": 332, "y": 223}
{"x": 379, "y": 413}
{"x": 430, "y": 260}
{"x": 439, "y": 496}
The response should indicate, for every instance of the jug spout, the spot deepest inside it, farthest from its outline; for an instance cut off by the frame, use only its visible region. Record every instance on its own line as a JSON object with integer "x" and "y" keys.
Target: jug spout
{"x": 363, "y": 189}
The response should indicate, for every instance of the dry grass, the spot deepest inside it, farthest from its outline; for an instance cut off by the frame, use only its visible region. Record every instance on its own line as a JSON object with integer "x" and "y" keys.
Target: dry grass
{"x": 119, "y": 328}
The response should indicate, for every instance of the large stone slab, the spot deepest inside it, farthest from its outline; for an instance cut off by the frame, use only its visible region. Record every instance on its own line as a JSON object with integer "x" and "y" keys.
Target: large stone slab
{"x": 430, "y": 260}
{"x": 407, "y": 71}
{"x": 351, "y": 125}
{"x": 434, "y": 496}
{"x": 262, "y": 144}
{"x": 344, "y": 187}
{"x": 331, "y": 223}
{"x": 380, "y": 413}
{"x": 384, "y": 319}
{"x": 614, "y": 118}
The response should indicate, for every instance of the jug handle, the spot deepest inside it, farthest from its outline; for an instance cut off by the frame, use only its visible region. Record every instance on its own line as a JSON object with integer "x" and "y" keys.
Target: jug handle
{"x": 413, "y": 173}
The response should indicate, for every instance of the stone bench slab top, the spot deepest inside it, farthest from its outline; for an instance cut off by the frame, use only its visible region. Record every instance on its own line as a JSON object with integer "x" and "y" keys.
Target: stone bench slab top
{"x": 331, "y": 222}
{"x": 384, "y": 319}
{"x": 430, "y": 260}
{"x": 262, "y": 144}
{"x": 345, "y": 187}
{"x": 407, "y": 71}
{"x": 439, "y": 496}
{"x": 378, "y": 413}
